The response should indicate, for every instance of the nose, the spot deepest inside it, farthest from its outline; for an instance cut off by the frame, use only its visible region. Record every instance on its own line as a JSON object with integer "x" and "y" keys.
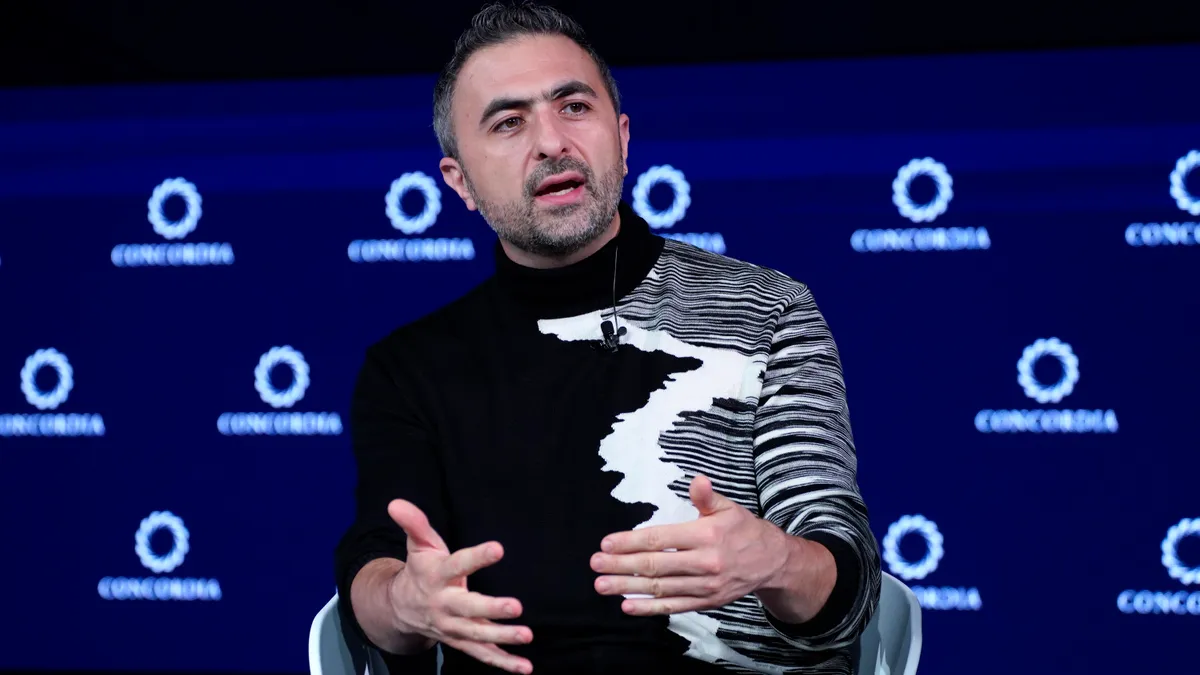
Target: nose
{"x": 550, "y": 138}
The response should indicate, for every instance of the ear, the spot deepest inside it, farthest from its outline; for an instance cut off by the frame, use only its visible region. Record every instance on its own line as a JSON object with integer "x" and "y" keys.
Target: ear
{"x": 623, "y": 129}
{"x": 454, "y": 177}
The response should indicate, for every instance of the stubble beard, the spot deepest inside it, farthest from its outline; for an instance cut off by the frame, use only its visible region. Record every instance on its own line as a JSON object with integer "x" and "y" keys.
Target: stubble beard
{"x": 558, "y": 231}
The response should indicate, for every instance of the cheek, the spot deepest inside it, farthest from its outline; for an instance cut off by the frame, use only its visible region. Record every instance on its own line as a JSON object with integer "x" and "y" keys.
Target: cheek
{"x": 506, "y": 175}
{"x": 606, "y": 149}
{"x": 494, "y": 180}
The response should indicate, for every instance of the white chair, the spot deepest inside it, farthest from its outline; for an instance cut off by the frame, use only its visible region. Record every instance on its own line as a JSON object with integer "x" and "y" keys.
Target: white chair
{"x": 891, "y": 644}
{"x": 328, "y": 651}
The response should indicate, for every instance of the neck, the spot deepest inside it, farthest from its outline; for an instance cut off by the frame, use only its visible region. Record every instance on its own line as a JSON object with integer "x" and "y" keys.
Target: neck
{"x": 583, "y": 282}
{"x": 544, "y": 262}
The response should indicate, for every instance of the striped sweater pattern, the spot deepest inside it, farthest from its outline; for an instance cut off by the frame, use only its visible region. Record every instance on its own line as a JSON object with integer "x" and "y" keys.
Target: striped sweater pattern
{"x": 764, "y": 416}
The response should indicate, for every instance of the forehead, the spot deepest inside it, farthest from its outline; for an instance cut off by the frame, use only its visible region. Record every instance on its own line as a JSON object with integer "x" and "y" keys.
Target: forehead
{"x": 522, "y": 68}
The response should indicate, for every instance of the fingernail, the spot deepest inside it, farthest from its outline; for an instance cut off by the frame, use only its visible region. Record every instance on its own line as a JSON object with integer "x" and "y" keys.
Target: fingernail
{"x": 602, "y": 585}
{"x": 606, "y": 546}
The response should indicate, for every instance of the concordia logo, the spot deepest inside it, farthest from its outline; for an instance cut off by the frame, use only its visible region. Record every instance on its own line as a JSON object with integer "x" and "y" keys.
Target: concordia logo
{"x": 411, "y": 250}
{"x": 921, "y": 238}
{"x": 1174, "y": 233}
{"x": 280, "y": 423}
{"x": 930, "y": 597}
{"x": 173, "y": 254}
{"x": 666, "y": 218}
{"x": 49, "y": 424}
{"x": 1169, "y": 602}
{"x": 157, "y": 587}
{"x": 1050, "y": 421}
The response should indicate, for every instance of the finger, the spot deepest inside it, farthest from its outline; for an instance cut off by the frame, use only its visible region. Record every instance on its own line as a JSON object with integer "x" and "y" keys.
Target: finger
{"x": 707, "y": 500}
{"x": 674, "y": 563}
{"x": 415, "y": 525}
{"x": 467, "y": 561}
{"x": 473, "y": 605}
{"x": 680, "y": 536}
{"x": 659, "y": 587}
{"x": 492, "y": 656}
{"x": 655, "y": 606}
{"x": 482, "y": 630}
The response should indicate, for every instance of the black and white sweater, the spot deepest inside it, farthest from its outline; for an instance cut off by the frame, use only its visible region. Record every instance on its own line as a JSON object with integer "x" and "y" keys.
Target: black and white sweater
{"x": 501, "y": 418}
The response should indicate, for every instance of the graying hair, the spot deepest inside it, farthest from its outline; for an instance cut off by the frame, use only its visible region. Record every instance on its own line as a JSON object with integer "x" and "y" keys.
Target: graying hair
{"x": 496, "y": 24}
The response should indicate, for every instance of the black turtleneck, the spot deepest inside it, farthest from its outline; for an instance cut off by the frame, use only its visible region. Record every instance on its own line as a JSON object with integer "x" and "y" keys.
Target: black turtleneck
{"x": 490, "y": 415}
{"x": 588, "y": 284}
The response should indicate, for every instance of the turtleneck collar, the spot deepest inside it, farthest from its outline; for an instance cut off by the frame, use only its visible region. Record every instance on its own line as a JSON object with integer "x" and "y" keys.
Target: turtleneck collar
{"x": 587, "y": 285}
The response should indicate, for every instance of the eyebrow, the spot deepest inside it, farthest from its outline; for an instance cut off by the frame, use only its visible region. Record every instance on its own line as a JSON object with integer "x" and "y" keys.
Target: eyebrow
{"x": 563, "y": 90}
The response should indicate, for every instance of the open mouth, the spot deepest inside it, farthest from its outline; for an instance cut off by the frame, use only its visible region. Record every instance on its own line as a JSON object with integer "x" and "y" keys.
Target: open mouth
{"x": 557, "y": 188}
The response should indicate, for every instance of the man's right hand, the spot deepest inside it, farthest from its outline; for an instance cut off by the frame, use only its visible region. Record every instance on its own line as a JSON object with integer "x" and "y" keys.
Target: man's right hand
{"x": 429, "y": 595}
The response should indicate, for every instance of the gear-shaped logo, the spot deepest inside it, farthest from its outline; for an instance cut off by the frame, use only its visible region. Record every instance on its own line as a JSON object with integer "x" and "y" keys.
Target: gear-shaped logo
{"x": 1184, "y": 199}
{"x": 933, "y": 547}
{"x": 174, "y": 187}
{"x": 429, "y": 213}
{"x": 1065, "y": 384}
{"x": 300, "y": 380}
{"x": 679, "y": 205}
{"x": 1170, "y": 558}
{"x": 161, "y": 564}
{"x": 47, "y": 400}
{"x": 923, "y": 213}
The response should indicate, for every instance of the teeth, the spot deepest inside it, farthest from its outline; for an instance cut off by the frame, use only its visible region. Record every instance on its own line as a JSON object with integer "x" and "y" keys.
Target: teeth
{"x": 561, "y": 192}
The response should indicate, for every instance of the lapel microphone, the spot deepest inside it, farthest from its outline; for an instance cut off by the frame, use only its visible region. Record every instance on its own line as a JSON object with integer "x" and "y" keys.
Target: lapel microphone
{"x": 612, "y": 335}
{"x": 612, "y": 338}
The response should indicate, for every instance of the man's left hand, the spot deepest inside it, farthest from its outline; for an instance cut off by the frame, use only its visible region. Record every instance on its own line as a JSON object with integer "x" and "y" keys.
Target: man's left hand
{"x": 723, "y": 555}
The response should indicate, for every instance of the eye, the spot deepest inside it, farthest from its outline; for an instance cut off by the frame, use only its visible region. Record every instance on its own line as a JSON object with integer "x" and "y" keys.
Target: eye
{"x": 576, "y": 107}
{"x": 508, "y": 124}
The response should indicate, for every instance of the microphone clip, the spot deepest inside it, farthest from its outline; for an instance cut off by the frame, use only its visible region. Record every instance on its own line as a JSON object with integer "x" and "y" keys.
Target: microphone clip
{"x": 612, "y": 338}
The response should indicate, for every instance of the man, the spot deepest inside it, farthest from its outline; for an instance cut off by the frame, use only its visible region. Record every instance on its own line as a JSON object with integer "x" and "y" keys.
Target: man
{"x": 617, "y": 453}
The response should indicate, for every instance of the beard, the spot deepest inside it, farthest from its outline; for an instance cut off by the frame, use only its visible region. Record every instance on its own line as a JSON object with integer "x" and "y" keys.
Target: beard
{"x": 556, "y": 231}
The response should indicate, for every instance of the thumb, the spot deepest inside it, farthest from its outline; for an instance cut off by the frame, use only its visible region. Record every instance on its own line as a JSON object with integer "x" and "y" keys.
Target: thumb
{"x": 416, "y": 525}
{"x": 707, "y": 500}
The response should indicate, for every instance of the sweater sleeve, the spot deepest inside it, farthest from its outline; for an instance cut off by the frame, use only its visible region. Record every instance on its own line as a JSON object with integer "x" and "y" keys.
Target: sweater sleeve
{"x": 806, "y": 470}
{"x": 396, "y": 458}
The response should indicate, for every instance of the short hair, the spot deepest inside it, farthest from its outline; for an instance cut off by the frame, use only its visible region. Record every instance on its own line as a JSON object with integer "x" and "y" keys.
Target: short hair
{"x": 496, "y": 24}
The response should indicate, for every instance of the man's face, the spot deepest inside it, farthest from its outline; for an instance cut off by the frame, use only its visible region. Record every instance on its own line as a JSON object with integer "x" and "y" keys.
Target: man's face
{"x": 541, "y": 150}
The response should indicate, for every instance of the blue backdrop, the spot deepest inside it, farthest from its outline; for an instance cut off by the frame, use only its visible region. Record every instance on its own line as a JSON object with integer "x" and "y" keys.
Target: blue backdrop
{"x": 1004, "y": 245}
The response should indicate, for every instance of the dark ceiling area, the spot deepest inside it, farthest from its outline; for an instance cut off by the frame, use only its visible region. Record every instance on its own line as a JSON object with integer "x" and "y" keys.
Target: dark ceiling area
{"x": 51, "y": 42}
